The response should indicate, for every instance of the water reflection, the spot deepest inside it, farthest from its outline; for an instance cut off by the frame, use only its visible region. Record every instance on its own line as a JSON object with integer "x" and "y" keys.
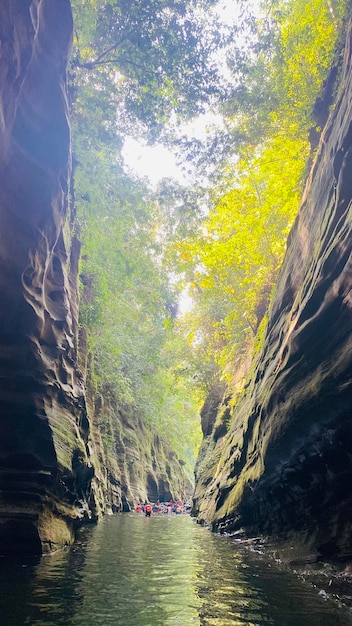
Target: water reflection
{"x": 163, "y": 571}
{"x": 46, "y": 591}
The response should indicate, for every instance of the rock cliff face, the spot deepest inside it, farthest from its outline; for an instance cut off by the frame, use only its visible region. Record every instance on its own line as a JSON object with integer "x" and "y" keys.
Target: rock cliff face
{"x": 132, "y": 463}
{"x": 52, "y": 474}
{"x": 285, "y": 466}
{"x": 44, "y": 462}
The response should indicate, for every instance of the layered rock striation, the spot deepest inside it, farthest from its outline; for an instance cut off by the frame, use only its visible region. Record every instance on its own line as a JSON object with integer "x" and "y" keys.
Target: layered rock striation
{"x": 133, "y": 464}
{"x": 284, "y": 467}
{"x": 45, "y": 471}
{"x": 53, "y": 473}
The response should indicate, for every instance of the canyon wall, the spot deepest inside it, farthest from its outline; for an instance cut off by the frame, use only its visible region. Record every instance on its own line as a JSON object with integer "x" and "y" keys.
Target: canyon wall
{"x": 54, "y": 473}
{"x": 283, "y": 466}
{"x": 43, "y": 458}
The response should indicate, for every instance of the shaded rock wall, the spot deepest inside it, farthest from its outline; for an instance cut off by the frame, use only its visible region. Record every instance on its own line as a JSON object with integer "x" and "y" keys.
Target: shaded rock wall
{"x": 45, "y": 470}
{"x": 285, "y": 466}
{"x": 54, "y": 470}
{"x": 133, "y": 463}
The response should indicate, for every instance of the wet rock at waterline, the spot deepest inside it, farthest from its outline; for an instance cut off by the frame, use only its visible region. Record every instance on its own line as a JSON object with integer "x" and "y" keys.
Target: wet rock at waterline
{"x": 284, "y": 467}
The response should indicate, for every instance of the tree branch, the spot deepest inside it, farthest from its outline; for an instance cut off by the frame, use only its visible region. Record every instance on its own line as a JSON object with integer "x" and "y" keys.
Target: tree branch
{"x": 107, "y": 51}
{"x": 91, "y": 64}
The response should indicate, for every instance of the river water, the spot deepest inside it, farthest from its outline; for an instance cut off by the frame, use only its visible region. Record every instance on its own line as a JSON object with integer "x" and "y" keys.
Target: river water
{"x": 160, "y": 571}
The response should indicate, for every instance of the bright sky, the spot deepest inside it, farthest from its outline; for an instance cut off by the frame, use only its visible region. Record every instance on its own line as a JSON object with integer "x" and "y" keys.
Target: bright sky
{"x": 154, "y": 162}
{"x": 157, "y": 162}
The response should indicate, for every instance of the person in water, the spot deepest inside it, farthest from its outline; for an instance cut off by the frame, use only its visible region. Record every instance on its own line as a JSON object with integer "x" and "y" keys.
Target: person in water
{"x": 148, "y": 510}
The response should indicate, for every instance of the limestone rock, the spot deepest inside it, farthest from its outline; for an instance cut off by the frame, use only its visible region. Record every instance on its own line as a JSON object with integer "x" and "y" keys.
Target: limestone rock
{"x": 54, "y": 471}
{"x": 45, "y": 471}
{"x": 284, "y": 468}
{"x": 132, "y": 463}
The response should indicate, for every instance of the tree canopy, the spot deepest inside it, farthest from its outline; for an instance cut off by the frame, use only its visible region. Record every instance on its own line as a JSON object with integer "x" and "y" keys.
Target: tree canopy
{"x": 276, "y": 107}
{"x": 142, "y": 69}
{"x": 150, "y": 60}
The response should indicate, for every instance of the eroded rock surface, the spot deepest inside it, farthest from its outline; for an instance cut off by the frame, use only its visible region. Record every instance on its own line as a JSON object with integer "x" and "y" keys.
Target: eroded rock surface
{"x": 133, "y": 464}
{"x": 284, "y": 468}
{"x": 45, "y": 469}
{"x": 54, "y": 473}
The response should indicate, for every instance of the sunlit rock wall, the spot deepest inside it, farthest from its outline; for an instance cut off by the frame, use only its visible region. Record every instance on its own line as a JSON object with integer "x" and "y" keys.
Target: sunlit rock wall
{"x": 45, "y": 471}
{"x": 284, "y": 468}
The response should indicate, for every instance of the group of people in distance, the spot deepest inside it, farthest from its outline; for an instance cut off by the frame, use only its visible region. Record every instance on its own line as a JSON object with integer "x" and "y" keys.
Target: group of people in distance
{"x": 163, "y": 507}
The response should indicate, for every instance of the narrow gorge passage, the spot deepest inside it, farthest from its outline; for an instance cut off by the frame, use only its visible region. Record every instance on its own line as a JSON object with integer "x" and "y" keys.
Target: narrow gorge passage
{"x": 112, "y": 394}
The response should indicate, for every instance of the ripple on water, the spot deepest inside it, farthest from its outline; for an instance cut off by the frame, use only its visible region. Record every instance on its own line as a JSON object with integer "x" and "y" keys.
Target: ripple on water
{"x": 164, "y": 571}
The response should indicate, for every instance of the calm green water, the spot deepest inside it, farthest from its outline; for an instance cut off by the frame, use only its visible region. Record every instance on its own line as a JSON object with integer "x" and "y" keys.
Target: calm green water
{"x": 163, "y": 571}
